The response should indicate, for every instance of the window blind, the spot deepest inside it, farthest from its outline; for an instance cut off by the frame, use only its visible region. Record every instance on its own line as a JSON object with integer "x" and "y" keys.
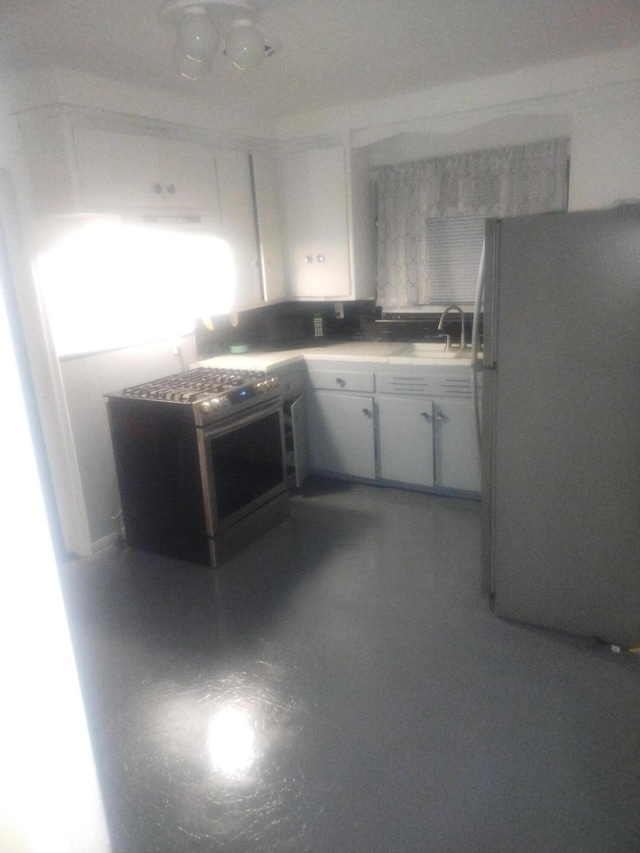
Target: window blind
{"x": 454, "y": 248}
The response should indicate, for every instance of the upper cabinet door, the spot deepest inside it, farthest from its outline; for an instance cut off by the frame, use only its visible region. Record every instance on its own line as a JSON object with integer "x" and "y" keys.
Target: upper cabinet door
{"x": 238, "y": 226}
{"x": 329, "y": 220}
{"x": 315, "y": 200}
{"x": 130, "y": 172}
{"x": 267, "y": 199}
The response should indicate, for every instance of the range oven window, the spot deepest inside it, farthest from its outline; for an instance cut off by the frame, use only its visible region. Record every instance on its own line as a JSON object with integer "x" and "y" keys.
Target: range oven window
{"x": 247, "y": 463}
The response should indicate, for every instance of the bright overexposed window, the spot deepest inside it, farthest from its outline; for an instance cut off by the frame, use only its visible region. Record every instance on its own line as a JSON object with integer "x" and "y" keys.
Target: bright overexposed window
{"x": 110, "y": 284}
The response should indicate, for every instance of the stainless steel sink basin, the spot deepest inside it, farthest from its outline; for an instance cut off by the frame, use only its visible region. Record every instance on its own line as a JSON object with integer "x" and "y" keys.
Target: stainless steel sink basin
{"x": 435, "y": 350}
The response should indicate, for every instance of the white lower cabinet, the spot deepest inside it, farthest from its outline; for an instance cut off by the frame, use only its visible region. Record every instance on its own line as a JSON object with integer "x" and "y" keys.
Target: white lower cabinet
{"x": 295, "y": 424}
{"x": 457, "y": 455}
{"x": 299, "y": 445}
{"x": 413, "y": 426}
{"x": 341, "y": 434}
{"x": 405, "y": 435}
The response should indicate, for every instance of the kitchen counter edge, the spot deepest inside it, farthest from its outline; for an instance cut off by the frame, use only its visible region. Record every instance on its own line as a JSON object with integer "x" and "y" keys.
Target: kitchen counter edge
{"x": 358, "y": 351}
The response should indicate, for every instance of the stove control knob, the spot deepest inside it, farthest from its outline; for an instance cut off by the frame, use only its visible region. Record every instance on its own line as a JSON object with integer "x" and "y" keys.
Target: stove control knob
{"x": 205, "y": 407}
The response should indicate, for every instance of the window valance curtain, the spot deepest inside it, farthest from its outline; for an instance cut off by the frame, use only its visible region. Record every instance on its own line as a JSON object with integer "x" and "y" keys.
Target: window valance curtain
{"x": 512, "y": 181}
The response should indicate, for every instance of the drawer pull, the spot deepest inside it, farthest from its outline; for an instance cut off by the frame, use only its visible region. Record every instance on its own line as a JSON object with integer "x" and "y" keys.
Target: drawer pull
{"x": 426, "y": 416}
{"x": 367, "y": 412}
{"x": 340, "y": 383}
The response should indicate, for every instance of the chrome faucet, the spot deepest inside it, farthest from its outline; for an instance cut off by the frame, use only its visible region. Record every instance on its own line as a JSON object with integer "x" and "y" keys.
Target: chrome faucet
{"x": 463, "y": 341}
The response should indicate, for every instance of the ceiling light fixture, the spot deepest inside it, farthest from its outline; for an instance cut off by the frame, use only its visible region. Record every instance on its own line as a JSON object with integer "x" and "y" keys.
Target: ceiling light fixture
{"x": 202, "y": 26}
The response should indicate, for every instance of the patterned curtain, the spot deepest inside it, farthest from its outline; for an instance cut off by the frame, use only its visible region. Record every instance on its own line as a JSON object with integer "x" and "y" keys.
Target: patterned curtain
{"x": 501, "y": 182}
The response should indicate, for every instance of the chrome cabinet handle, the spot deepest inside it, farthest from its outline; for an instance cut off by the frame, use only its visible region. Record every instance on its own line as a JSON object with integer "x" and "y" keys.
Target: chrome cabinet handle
{"x": 320, "y": 259}
{"x": 367, "y": 412}
{"x": 157, "y": 188}
{"x": 439, "y": 416}
{"x": 308, "y": 259}
{"x": 340, "y": 382}
{"x": 426, "y": 416}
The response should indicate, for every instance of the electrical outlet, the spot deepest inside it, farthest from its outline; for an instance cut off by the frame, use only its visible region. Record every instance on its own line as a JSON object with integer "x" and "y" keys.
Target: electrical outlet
{"x": 339, "y": 310}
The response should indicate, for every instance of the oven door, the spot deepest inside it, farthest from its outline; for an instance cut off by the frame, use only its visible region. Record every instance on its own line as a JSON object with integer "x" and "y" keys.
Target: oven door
{"x": 243, "y": 465}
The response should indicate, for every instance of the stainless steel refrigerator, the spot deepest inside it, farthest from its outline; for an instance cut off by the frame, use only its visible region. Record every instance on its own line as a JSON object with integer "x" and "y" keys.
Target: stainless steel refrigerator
{"x": 561, "y": 421}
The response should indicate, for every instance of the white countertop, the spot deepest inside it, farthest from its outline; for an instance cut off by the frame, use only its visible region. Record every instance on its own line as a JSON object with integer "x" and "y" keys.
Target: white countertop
{"x": 357, "y": 351}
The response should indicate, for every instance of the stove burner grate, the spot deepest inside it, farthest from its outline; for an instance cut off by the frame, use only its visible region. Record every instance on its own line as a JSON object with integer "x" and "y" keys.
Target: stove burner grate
{"x": 193, "y": 385}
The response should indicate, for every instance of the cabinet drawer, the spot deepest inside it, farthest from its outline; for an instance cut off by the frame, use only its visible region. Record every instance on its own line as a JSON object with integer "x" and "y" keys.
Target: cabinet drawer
{"x": 421, "y": 384}
{"x": 342, "y": 380}
{"x": 448, "y": 383}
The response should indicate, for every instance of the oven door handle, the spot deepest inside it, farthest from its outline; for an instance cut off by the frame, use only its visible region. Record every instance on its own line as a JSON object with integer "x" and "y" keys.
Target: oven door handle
{"x": 236, "y": 420}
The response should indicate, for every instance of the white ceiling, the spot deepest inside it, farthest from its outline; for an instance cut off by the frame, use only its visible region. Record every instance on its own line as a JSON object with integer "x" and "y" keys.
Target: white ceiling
{"x": 333, "y": 51}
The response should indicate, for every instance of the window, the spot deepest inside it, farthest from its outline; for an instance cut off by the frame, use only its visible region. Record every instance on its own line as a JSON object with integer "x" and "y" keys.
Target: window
{"x": 108, "y": 284}
{"x": 431, "y": 217}
{"x": 454, "y": 249}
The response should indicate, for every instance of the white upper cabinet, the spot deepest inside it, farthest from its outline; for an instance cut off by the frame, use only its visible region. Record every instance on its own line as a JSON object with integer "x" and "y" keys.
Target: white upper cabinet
{"x": 238, "y": 226}
{"x": 268, "y": 216}
{"x": 329, "y": 224}
{"x": 80, "y": 165}
{"x": 84, "y": 162}
{"x": 130, "y": 172}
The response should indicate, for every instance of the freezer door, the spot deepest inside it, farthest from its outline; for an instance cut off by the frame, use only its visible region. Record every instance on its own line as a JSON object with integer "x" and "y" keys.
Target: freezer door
{"x": 564, "y": 490}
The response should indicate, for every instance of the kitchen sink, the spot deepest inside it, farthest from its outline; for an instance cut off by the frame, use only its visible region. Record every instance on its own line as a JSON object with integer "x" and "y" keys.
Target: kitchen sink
{"x": 433, "y": 350}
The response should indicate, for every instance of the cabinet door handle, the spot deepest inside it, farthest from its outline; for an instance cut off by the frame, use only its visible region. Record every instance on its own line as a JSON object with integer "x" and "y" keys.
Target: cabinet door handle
{"x": 171, "y": 189}
{"x": 308, "y": 259}
{"x": 367, "y": 412}
{"x": 439, "y": 416}
{"x": 320, "y": 259}
{"x": 426, "y": 416}
{"x": 157, "y": 188}
{"x": 340, "y": 382}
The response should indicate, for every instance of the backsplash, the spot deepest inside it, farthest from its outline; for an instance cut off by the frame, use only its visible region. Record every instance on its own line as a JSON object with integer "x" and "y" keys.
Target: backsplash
{"x": 290, "y": 325}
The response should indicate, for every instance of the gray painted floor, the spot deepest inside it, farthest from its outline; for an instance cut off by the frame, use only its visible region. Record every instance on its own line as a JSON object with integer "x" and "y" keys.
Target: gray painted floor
{"x": 373, "y": 701}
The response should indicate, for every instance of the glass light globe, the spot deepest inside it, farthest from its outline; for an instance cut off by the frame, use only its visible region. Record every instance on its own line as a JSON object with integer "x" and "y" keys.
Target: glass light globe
{"x": 244, "y": 45}
{"x": 188, "y": 66}
{"x": 195, "y": 33}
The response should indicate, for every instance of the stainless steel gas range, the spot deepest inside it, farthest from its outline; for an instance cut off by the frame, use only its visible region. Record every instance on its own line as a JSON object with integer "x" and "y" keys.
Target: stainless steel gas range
{"x": 200, "y": 460}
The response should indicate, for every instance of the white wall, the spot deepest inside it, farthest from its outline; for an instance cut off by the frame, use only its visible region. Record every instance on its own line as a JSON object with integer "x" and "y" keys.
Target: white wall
{"x": 63, "y": 85}
{"x": 605, "y": 153}
{"x": 49, "y": 796}
{"x": 592, "y": 99}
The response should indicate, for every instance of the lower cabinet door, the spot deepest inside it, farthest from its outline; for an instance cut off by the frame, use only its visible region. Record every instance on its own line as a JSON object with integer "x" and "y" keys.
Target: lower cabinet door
{"x": 405, "y": 429}
{"x": 299, "y": 435}
{"x": 456, "y": 443}
{"x": 341, "y": 434}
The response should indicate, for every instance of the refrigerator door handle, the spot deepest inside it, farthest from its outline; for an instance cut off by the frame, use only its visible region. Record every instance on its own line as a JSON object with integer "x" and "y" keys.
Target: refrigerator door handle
{"x": 477, "y": 308}
{"x": 475, "y": 329}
